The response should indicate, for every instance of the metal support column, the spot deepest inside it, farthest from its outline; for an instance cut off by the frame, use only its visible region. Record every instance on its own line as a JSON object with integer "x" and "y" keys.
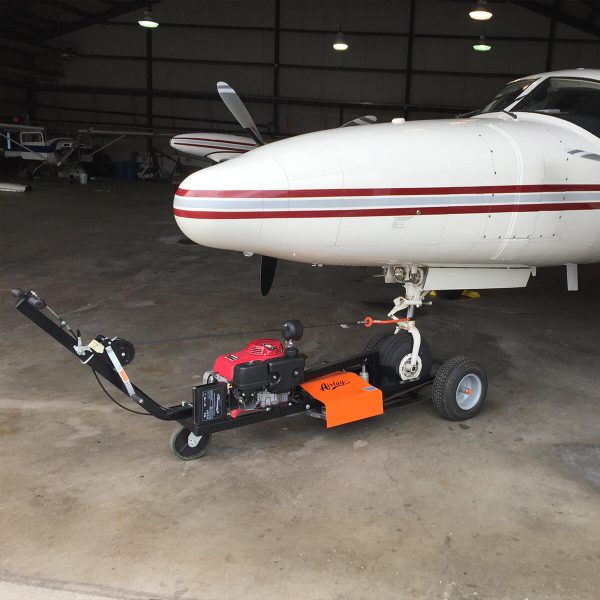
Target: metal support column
{"x": 409, "y": 54}
{"x": 276, "y": 40}
{"x": 31, "y": 95}
{"x": 551, "y": 36}
{"x": 149, "y": 86}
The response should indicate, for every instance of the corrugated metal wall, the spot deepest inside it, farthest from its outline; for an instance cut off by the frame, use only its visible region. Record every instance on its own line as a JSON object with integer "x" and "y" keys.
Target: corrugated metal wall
{"x": 190, "y": 56}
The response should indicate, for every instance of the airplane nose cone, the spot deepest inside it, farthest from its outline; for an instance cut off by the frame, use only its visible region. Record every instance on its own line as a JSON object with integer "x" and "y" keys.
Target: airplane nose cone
{"x": 223, "y": 206}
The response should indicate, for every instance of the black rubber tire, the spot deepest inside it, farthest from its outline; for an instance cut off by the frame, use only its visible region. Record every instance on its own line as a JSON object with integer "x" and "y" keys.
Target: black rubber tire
{"x": 445, "y": 385}
{"x": 372, "y": 344}
{"x": 181, "y": 449}
{"x": 449, "y": 294}
{"x": 393, "y": 348}
{"x": 124, "y": 350}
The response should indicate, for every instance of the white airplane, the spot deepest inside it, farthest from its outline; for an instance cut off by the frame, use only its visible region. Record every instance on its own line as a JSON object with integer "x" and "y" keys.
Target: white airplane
{"x": 220, "y": 147}
{"x": 217, "y": 147}
{"x": 31, "y": 143}
{"x": 477, "y": 202}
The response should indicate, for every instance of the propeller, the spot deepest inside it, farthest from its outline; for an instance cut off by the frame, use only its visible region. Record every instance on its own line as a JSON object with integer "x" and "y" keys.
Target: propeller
{"x": 366, "y": 120}
{"x": 239, "y": 111}
{"x": 268, "y": 264}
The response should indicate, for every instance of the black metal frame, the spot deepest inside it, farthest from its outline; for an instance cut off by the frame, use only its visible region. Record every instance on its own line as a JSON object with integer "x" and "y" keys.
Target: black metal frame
{"x": 30, "y": 305}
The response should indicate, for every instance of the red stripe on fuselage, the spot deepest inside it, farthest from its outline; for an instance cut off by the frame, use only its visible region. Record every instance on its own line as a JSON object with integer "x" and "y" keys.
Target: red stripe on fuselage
{"x": 200, "y": 139}
{"x": 384, "y": 212}
{"x": 438, "y": 191}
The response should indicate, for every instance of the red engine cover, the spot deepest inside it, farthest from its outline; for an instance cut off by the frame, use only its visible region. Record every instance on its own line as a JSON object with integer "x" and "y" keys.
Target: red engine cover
{"x": 257, "y": 350}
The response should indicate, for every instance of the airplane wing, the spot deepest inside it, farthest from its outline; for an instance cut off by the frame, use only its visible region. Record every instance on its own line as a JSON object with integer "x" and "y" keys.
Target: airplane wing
{"x": 17, "y": 127}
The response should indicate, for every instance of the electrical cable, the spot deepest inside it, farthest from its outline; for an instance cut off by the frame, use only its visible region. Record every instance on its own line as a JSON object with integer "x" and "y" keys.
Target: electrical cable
{"x": 135, "y": 412}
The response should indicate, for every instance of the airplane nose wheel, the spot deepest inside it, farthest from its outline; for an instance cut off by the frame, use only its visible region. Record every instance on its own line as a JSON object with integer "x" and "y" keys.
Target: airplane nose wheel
{"x": 459, "y": 389}
{"x": 187, "y": 446}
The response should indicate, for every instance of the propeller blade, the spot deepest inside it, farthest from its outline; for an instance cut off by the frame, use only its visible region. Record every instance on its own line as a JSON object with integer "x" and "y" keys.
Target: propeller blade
{"x": 366, "y": 120}
{"x": 268, "y": 264}
{"x": 238, "y": 109}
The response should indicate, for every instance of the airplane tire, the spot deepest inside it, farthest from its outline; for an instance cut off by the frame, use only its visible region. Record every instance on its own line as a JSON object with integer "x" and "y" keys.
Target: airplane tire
{"x": 393, "y": 348}
{"x": 372, "y": 344}
{"x": 459, "y": 389}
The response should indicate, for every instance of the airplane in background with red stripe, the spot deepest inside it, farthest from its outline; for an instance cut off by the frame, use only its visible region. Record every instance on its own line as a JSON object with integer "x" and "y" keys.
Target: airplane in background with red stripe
{"x": 217, "y": 147}
{"x": 475, "y": 202}
{"x": 220, "y": 147}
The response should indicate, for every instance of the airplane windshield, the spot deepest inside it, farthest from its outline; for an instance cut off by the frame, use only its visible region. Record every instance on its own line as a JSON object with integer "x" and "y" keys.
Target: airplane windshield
{"x": 507, "y": 95}
{"x": 575, "y": 100}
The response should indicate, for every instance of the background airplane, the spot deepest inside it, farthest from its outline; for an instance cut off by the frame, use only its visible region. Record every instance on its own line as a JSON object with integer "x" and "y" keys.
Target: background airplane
{"x": 219, "y": 147}
{"x": 31, "y": 143}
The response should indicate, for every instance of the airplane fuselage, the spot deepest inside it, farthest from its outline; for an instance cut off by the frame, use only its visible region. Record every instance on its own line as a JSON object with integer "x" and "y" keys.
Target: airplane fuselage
{"x": 488, "y": 190}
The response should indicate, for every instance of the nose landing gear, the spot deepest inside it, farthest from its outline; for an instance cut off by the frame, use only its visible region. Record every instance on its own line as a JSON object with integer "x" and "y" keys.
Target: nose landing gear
{"x": 460, "y": 384}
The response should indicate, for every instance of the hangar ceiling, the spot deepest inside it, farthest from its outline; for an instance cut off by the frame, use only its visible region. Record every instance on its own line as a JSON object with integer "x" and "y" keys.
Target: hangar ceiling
{"x": 408, "y": 57}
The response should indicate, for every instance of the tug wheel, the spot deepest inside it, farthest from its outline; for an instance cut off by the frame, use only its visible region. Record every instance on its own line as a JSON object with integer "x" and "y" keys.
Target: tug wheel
{"x": 393, "y": 350}
{"x": 187, "y": 446}
{"x": 459, "y": 388}
{"x": 124, "y": 350}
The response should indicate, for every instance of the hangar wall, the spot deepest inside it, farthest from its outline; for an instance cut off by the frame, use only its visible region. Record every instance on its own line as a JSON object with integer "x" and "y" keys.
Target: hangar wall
{"x": 388, "y": 63}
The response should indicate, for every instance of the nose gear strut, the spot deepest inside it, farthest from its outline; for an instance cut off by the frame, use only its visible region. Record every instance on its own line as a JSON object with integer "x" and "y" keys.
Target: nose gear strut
{"x": 413, "y": 279}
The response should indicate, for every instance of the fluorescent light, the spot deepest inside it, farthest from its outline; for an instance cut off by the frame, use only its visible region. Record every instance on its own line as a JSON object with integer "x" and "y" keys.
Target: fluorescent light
{"x": 481, "y": 12}
{"x": 340, "y": 42}
{"x": 147, "y": 20}
{"x": 482, "y": 45}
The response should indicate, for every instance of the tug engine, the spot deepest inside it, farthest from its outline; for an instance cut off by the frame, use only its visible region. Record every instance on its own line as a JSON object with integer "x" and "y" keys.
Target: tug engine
{"x": 263, "y": 374}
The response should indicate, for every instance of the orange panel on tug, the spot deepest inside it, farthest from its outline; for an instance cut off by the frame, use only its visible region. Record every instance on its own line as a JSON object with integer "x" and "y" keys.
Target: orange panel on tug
{"x": 346, "y": 396}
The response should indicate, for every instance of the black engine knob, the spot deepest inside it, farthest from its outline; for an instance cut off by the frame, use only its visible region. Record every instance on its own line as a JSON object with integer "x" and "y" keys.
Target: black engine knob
{"x": 292, "y": 330}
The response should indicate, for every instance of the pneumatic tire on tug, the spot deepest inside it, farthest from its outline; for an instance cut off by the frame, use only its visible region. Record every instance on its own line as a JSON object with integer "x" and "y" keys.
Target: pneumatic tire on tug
{"x": 459, "y": 389}
{"x": 393, "y": 348}
{"x": 187, "y": 446}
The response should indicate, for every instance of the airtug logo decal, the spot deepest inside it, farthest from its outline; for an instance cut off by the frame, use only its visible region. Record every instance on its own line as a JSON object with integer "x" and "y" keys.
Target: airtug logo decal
{"x": 333, "y": 385}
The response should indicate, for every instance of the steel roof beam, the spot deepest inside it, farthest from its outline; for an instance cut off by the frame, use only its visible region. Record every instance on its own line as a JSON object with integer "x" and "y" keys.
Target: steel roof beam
{"x": 70, "y": 8}
{"x": 93, "y": 19}
{"x": 549, "y": 11}
{"x": 331, "y": 32}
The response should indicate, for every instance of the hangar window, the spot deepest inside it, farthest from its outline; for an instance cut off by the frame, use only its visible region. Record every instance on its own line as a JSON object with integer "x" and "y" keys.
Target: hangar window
{"x": 575, "y": 100}
{"x": 507, "y": 95}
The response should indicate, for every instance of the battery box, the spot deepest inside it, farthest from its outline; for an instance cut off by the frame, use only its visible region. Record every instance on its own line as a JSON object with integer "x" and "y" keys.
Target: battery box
{"x": 210, "y": 403}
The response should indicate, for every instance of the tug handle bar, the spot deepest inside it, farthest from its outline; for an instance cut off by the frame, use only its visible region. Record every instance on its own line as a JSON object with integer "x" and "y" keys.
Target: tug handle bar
{"x": 31, "y": 305}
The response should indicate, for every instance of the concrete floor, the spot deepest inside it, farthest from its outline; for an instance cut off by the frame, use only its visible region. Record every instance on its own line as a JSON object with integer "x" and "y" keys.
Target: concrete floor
{"x": 406, "y": 505}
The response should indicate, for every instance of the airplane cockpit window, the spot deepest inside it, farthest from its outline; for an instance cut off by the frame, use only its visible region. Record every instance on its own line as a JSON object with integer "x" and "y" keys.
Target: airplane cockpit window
{"x": 575, "y": 100}
{"x": 507, "y": 95}
{"x": 31, "y": 137}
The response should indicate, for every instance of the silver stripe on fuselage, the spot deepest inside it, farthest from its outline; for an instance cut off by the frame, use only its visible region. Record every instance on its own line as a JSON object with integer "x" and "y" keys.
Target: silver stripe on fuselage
{"x": 373, "y": 202}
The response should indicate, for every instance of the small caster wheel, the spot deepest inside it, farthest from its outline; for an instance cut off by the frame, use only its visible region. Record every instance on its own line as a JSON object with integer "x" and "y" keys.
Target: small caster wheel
{"x": 459, "y": 388}
{"x": 124, "y": 350}
{"x": 187, "y": 446}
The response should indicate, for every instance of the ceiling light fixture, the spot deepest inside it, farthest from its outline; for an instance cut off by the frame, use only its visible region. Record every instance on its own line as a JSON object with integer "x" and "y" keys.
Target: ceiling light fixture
{"x": 481, "y": 12}
{"x": 147, "y": 20}
{"x": 482, "y": 45}
{"x": 340, "y": 43}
